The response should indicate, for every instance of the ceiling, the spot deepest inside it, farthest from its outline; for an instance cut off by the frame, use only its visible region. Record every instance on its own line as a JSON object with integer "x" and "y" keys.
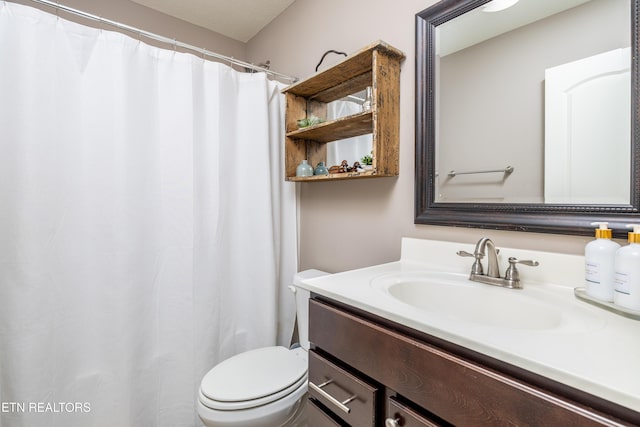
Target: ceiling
{"x": 477, "y": 26}
{"x": 236, "y": 19}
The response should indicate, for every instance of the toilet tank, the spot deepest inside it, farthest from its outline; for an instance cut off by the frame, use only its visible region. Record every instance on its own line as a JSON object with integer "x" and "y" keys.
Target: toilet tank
{"x": 302, "y": 304}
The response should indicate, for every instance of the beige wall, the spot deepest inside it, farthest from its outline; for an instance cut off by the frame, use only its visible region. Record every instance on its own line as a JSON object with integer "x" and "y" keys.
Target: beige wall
{"x": 345, "y": 225}
{"x": 144, "y": 18}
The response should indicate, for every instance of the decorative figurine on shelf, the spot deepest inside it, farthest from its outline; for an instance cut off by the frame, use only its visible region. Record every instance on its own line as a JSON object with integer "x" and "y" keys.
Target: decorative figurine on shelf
{"x": 344, "y": 167}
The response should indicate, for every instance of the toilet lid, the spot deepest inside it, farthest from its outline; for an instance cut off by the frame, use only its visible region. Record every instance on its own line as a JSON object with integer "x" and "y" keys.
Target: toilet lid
{"x": 254, "y": 374}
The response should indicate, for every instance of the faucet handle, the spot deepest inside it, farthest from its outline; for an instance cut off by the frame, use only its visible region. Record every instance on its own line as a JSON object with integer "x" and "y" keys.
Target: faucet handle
{"x": 513, "y": 261}
{"x": 476, "y": 268}
{"x": 465, "y": 254}
{"x": 512, "y": 273}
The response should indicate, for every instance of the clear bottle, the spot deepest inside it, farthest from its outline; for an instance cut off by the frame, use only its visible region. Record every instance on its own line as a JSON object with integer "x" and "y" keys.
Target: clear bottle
{"x": 599, "y": 259}
{"x": 627, "y": 272}
{"x": 366, "y": 105}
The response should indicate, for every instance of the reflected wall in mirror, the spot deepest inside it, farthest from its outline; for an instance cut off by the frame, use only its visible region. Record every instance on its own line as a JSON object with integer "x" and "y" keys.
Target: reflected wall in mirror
{"x": 352, "y": 149}
{"x": 527, "y": 117}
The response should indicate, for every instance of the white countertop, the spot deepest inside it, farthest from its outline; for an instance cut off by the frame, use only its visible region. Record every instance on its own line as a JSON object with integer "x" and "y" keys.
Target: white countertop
{"x": 591, "y": 349}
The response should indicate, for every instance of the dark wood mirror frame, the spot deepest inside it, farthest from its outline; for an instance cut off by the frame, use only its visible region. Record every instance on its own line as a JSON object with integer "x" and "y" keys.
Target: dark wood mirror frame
{"x": 545, "y": 218}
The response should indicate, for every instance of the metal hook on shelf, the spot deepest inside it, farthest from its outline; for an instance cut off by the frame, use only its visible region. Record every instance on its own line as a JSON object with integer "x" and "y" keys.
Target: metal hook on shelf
{"x": 328, "y": 52}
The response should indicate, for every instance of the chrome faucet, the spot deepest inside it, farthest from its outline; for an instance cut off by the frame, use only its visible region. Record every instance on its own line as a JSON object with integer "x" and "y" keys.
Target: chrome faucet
{"x": 493, "y": 269}
{"x": 511, "y": 277}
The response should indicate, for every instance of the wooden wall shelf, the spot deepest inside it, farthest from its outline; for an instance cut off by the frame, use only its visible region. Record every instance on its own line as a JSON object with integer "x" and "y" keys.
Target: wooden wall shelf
{"x": 377, "y": 66}
{"x": 344, "y": 127}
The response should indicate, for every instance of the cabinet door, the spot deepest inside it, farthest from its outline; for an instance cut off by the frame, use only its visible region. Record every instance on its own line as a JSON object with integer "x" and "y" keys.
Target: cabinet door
{"x": 453, "y": 388}
{"x": 400, "y": 415}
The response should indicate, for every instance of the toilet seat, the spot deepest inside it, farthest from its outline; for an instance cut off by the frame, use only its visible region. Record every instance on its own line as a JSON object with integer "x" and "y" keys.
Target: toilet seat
{"x": 254, "y": 378}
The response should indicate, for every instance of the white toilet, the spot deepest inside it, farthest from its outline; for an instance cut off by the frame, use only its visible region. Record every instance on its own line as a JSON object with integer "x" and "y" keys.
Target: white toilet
{"x": 264, "y": 387}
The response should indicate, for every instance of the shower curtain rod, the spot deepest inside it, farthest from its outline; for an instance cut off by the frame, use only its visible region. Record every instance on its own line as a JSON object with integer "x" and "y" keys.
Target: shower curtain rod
{"x": 166, "y": 40}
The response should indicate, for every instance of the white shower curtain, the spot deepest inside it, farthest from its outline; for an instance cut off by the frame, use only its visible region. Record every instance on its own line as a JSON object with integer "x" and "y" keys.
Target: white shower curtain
{"x": 146, "y": 232}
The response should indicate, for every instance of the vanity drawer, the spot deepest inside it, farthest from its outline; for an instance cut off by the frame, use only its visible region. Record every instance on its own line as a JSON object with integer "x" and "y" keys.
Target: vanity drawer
{"x": 346, "y": 395}
{"x": 401, "y": 415}
{"x": 318, "y": 417}
{"x": 454, "y": 389}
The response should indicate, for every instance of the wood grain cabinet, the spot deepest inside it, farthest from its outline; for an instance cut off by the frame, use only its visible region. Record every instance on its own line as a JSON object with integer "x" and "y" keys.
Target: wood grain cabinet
{"x": 399, "y": 377}
{"x": 376, "y": 66}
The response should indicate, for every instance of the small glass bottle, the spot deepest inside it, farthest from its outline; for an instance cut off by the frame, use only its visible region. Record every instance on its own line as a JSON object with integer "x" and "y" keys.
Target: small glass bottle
{"x": 321, "y": 169}
{"x": 366, "y": 105}
{"x": 304, "y": 169}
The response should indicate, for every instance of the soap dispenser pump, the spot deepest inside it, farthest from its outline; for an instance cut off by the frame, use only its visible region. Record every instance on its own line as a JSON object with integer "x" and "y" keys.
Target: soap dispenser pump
{"x": 627, "y": 272}
{"x": 599, "y": 257}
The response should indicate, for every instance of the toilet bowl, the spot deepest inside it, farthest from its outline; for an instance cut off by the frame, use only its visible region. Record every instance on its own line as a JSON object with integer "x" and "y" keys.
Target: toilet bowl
{"x": 264, "y": 387}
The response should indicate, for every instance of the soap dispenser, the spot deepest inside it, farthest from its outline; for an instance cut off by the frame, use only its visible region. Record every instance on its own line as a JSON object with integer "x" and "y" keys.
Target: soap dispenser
{"x": 599, "y": 258}
{"x": 627, "y": 272}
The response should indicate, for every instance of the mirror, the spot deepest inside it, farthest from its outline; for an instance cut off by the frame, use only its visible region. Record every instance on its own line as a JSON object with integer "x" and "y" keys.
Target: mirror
{"x": 526, "y": 118}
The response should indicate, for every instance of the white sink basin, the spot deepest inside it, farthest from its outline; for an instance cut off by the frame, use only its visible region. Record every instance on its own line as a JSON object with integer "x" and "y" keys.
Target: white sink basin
{"x": 453, "y": 296}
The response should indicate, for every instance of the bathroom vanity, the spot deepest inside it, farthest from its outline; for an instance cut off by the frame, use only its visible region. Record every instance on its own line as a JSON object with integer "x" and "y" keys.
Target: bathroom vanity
{"x": 382, "y": 354}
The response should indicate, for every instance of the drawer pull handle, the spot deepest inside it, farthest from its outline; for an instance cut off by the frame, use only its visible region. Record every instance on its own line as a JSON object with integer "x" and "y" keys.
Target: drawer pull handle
{"x": 324, "y": 383}
{"x": 392, "y": 422}
{"x": 341, "y": 405}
